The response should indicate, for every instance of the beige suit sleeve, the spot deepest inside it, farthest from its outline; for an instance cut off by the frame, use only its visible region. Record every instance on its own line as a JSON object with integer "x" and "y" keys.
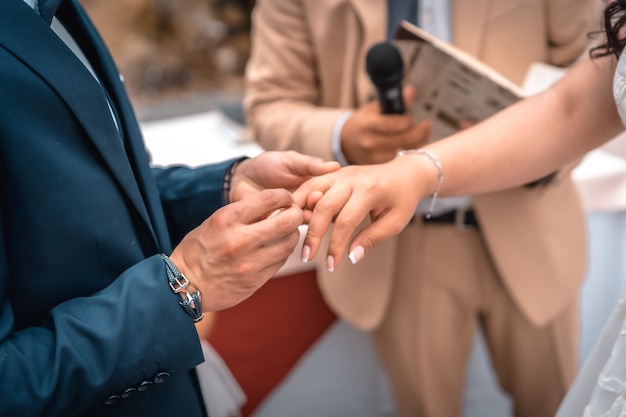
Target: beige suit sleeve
{"x": 282, "y": 92}
{"x": 569, "y": 25}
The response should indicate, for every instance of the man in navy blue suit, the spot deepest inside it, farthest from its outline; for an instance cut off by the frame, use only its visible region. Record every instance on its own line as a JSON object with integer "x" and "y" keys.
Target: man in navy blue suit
{"x": 97, "y": 311}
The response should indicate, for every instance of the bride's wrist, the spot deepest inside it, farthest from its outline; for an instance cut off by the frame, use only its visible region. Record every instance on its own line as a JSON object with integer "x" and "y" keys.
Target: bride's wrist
{"x": 429, "y": 170}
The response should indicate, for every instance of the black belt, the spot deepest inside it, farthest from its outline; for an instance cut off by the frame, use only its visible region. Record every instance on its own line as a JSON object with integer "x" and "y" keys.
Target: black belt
{"x": 450, "y": 217}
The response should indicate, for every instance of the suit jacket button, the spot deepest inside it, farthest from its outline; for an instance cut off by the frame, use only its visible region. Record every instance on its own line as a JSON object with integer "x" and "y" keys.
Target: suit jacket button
{"x": 161, "y": 377}
{"x": 144, "y": 385}
{"x": 112, "y": 399}
{"x": 128, "y": 392}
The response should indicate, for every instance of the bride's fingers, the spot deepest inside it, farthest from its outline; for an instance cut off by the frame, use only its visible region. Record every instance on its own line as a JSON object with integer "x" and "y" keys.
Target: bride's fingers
{"x": 307, "y": 215}
{"x": 316, "y": 186}
{"x": 352, "y": 215}
{"x": 321, "y": 217}
{"x": 313, "y": 198}
{"x": 383, "y": 227}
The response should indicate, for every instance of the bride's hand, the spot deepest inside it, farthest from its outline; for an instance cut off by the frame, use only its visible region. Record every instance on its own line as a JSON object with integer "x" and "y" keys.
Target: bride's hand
{"x": 387, "y": 192}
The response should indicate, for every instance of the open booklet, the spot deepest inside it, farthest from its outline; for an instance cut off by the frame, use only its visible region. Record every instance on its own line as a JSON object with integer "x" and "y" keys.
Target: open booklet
{"x": 451, "y": 85}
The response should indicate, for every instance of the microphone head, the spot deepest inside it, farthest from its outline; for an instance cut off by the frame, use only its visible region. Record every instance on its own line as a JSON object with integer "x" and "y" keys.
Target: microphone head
{"x": 383, "y": 64}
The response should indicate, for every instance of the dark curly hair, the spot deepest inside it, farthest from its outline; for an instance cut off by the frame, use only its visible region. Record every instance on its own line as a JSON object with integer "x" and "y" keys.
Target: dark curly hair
{"x": 615, "y": 39}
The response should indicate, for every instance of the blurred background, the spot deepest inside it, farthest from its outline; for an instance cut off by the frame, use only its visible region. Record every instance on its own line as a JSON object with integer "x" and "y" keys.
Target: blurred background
{"x": 178, "y": 56}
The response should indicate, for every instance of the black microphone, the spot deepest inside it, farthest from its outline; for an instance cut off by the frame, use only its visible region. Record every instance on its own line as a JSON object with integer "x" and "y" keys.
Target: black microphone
{"x": 383, "y": 64}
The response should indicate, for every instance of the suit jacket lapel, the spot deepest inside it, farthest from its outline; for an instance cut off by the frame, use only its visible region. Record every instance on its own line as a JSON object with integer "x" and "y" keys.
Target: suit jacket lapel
{"x": 372, "y": 28}
{"x": 79, "y": 25}
{"x": 40, "y": 50}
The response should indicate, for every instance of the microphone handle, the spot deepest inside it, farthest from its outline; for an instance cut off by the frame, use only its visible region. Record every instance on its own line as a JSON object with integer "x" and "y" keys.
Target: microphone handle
{"x": 390, "y": 99}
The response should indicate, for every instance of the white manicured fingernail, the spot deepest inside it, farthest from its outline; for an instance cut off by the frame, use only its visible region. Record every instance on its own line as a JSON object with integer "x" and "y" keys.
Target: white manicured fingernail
{"x": 330, "y": 263}
{"x": 356, "y": 255}
{"x": 306, "y": 252}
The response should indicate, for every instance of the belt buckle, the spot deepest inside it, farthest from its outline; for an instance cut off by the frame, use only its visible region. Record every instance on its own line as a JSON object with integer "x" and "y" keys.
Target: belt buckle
{"x": 459, "y": 218}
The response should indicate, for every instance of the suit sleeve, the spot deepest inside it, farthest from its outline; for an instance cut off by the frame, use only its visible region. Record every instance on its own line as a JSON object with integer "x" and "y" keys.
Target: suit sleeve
{"x": 569, "y": 25}
{"x": 190, "y": 195}
{"x": 91, "y": 348}
{"x": 282, "y": 97}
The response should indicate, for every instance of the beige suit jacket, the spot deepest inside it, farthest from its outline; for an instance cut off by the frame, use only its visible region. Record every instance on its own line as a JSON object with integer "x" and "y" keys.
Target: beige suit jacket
{"x": 307, "y": 68}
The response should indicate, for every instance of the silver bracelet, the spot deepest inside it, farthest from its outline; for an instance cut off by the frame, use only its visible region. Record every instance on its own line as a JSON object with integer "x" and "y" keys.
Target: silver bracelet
{"x": 179, "y": 283}
{"x": 439, "y": 166}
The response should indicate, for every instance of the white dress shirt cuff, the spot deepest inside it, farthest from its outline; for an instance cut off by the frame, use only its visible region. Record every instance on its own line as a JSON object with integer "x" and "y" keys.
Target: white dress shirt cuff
{"x": 335, "y": 141}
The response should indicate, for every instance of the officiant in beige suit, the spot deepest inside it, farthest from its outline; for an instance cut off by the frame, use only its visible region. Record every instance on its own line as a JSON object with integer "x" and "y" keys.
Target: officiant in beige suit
{"x": 510, "y": 262}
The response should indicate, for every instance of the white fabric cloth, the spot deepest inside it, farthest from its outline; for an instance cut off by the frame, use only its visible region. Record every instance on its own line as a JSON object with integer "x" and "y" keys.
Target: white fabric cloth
{"x": 222, "y": 394}
{"x": 600, "y": 388}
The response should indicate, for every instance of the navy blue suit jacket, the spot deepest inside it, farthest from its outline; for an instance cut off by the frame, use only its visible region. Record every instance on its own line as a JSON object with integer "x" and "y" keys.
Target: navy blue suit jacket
{"x": 88, "y": 324}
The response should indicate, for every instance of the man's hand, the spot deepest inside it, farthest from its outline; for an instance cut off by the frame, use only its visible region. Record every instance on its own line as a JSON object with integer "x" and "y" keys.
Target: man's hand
{"x": 370, "y": 137}
{"x": 242, "y": 245}
{"x": 276, "y": 170}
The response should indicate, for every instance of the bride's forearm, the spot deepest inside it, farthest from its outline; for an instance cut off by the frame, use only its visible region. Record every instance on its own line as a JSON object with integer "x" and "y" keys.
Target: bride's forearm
{"x": 522, "y": 143}
{"x": 533, "y": 137}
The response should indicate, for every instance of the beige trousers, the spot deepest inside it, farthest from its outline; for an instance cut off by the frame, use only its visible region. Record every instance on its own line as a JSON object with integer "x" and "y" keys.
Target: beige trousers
{"x": 443, "y": 288}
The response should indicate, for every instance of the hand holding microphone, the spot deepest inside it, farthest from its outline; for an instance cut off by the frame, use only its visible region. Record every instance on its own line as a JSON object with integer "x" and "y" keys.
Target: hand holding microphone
{"x": 375, "y": 131}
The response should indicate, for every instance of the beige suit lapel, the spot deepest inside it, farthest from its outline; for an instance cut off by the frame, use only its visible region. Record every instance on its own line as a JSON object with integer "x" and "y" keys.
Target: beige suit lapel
{"x": 468, "y": 24}
{"x": 371, "y": 27}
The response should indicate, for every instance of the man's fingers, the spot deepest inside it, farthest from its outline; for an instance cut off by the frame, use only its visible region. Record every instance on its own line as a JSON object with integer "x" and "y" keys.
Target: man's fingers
{"x": 280, "y": 223}
{"x": 422, "y": 133}
{"x": 408, "y": 94}
{"x": 305, "y": 166}
{"x": 261, "y": 205}
{"x": 279, "y": 248}
{"x": 316, "y": 166}
{"x": 466, "y": 123}
{"x": 391, "y": 123}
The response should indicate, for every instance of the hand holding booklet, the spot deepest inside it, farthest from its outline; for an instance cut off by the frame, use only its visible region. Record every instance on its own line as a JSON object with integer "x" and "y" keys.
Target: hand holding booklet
{"x": 451, "y": 85}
